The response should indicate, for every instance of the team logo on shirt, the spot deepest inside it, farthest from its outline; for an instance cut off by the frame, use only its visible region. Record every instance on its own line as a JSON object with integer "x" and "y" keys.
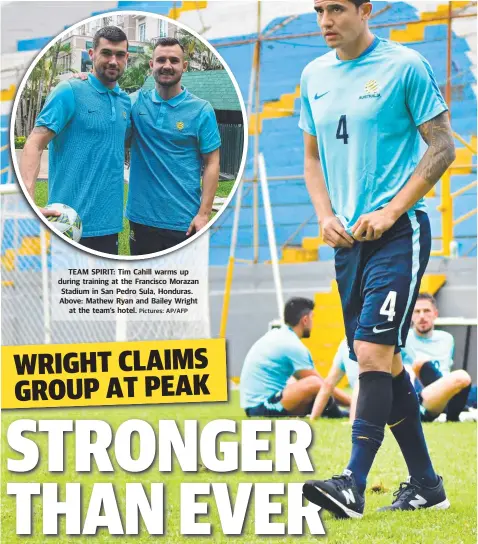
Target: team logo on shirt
{"x": 180, "y": 125}
{"x": 124, "y": 114}
{"x": 372, "y": 90}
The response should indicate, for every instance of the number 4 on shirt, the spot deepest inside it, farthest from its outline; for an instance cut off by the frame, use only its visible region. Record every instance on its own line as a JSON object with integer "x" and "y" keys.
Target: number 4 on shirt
{"x": 342, "y": 130}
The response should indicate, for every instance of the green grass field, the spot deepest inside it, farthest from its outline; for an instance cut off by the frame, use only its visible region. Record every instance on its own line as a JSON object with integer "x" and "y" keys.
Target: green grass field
{"x": 452, "y": 445}
{"x": 41, "y": 199}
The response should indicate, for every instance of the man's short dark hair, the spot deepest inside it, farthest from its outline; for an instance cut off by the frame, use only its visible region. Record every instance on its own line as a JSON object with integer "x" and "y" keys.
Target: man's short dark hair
{"x": 296, "y": 308}
{"x": 168, "y": 42}
{"x": 427, "y": 296}
{"x": 358, "y": 3}
{"x": 110, "y": 33}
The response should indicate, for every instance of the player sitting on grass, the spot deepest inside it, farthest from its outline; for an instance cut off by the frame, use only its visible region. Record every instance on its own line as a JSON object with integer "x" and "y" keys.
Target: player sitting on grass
{"x": 434, "y": 395}
{"x": 430, "y": 354}
{"x": 266, "y": 388}
{"x": 364, "y": 106}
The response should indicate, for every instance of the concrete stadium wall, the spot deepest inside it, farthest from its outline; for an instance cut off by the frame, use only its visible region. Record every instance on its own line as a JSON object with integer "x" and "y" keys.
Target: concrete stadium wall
{"x": 253, "y": 301}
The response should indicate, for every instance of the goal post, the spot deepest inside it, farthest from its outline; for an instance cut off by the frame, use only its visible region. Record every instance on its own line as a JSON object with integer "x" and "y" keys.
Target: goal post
{"x": 271, "y": 236}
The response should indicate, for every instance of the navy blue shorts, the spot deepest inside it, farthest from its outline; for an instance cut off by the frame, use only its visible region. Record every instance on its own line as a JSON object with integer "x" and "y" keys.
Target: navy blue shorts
{"x": 272, "y": 407}
{"x": 379, "y": 281}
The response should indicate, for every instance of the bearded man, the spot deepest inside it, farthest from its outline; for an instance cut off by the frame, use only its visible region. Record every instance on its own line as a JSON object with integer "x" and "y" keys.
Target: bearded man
{"x": 175, "y": 137}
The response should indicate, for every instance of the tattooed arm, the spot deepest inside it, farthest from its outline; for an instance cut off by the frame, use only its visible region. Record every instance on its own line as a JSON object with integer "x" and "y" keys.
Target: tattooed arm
{"x": 437, "y": 158}
{"x": 30, "y": 160}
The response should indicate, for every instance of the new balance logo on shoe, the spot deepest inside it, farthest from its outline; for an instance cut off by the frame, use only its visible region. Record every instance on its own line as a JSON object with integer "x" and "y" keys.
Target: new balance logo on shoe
{"x": 349, "y": 495}
{"x": 418, "y": 501}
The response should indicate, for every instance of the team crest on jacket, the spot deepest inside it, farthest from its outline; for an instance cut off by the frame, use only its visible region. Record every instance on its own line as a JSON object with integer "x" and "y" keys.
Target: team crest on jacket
{"x": 124, "y": 114}
{"x": 372, "y": 90}
{"x": 180, "y": 125}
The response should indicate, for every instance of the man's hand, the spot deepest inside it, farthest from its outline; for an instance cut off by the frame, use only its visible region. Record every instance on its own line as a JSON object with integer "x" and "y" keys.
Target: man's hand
{"x": 49, "y": 213}
{"x": 79, "y": 75}
{"x": 198, "y": 223}
{"x": 371, "y": 226}
{"x": 334, "y": 234}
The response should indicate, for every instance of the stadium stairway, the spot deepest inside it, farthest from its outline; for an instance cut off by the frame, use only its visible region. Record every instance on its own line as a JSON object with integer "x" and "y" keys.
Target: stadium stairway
{"x": 170, "y": 9}
{"x": 173, "y": 10}
{"x": 416, "y": 32}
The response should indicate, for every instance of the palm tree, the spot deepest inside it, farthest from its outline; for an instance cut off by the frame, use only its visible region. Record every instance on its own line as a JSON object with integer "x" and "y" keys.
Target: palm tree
{"x": 198, "y": 55}
{"x": 139, "y": 69}
{"x": 42, "y": 78}
{"x": 54, "y": 55}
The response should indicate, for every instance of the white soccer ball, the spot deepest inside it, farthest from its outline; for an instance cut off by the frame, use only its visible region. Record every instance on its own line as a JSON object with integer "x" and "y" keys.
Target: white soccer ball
{"x": 68, "y": 223}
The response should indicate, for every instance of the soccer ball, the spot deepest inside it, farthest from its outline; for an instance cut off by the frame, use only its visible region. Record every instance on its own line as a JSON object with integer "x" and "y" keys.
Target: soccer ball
{"x": 68, "y": 223}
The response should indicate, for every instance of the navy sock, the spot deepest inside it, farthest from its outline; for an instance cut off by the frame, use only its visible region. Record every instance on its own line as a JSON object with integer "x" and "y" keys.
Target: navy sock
{"x": 366, "y": 439}
{"x": 406, "y": 426}
{"x": 373, "y": 406}
{"x": 457, "y": 404}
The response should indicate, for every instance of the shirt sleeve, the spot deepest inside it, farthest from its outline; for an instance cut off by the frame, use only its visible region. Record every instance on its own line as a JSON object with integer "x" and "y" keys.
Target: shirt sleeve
{"x": 422, "y": 94}
{"x": 208, "y": 133}
{"x": 58, "y": 109}
{"x": 306, "y": 121}
{"x": 300, "y": 359}
{"x": 129, "y": 127}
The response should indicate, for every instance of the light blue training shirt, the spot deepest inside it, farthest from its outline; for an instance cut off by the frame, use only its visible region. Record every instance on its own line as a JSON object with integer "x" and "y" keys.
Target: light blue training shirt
{"x": 439, "y": 349}
{"x": 345, "y": 364}
{"x": 271, "y": 361}
{"x": 364, "y": 113}
{"x": 169, "y": 137}
{"x": 86, "y": 155}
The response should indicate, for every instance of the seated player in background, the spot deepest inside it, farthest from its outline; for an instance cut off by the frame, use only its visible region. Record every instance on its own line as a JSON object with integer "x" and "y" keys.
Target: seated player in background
{"x": 428, "y": 355}
{"x": 434, "y": 395}
{"x": 274, "y": 359}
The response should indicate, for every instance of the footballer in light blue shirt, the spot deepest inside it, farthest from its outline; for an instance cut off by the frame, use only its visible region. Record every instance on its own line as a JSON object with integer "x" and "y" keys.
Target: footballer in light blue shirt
{"x": 279, "y": 355}
{"x": 425, "y": 344}
{"x": 428, "y": 355}
{"x": 175, "y": 135}
{"x": 364, "y": 107}
{"x": 86, "y": 124}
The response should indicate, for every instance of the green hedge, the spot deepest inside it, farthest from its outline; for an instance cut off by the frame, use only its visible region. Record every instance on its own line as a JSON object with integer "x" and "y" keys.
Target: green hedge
{"x": 20, "y": 142}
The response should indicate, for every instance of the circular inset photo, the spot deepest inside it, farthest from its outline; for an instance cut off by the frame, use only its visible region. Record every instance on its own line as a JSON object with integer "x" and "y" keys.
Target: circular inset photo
{"x": 130, "y": 137}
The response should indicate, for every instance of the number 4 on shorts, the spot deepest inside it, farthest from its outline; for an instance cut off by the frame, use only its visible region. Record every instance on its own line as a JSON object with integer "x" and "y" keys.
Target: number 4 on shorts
{"x": 388, "y": 307}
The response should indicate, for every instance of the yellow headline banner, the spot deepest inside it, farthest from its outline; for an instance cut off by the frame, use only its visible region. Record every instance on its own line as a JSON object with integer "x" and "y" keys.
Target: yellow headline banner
{"x": 114, "y": 373}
